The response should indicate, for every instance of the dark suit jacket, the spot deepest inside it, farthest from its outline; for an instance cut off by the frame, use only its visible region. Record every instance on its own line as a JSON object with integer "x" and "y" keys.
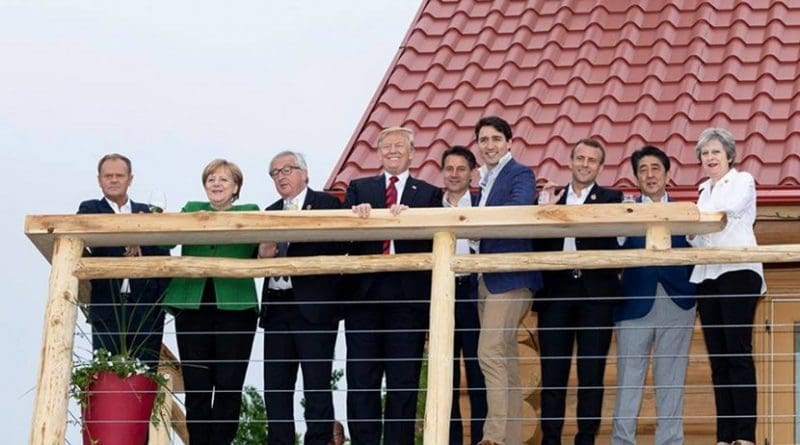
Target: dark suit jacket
{"x": 639, "y": 283}
{"x": 372, "y": 190}
{"x": 311, "y": 288}
{"x": 514, "y": 186}
{"x": 105, "y": 292}
{"x": 598, "y": 282}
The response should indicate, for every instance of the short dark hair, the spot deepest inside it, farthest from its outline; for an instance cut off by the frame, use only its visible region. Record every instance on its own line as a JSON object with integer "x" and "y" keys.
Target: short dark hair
{"x": 460, "y": 150}
{"x": 498, "y": 123}
{"x": 591, "y": 142}
{"x": 112, "y": 157}
{"x": 649, "y": 150}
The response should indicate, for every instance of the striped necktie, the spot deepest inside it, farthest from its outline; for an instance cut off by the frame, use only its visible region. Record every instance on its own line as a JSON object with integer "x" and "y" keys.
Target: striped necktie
{"x": 391, "y": 199}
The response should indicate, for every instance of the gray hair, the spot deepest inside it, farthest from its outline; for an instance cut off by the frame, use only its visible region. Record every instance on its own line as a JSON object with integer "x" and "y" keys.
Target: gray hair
{"x": 301, "y": 160}
{"x": 723, "y": 136}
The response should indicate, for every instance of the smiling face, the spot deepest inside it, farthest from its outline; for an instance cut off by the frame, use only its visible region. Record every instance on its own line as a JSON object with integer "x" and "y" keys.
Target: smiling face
{"x": 715, "y": 160}
{"x": 220, "y": 188}
{"x": 291, "y": 184}
{"x": 493, "y": 145}
{"x": 457, "y": 174}
{"x": 395, "y": 152}
{"x": 114, "y": 179}
{"x": 652, "y": 177}
{"x": 586, "y": 164}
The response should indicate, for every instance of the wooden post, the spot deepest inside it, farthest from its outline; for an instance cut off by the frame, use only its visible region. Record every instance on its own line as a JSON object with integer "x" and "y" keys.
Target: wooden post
{"x": 658, "y": 237}
{"x": 55, "y": 363}
{"x": 440, "y": 344}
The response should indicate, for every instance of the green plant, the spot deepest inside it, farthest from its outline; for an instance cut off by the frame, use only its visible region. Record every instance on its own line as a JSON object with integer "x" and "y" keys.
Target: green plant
{"x": 123, "y": 366}
{"x": 252, "y": 419}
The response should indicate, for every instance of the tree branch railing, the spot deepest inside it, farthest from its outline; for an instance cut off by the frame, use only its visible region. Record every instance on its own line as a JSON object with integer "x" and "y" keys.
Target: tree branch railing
{"x": 62, "y": 238}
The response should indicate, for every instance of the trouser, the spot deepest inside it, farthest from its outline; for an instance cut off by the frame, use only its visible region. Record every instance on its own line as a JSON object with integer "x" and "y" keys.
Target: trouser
{"x": 727, "y": 307}
{"x": 465, "y": 341}
{"x": 291, "y": 341}
{"x": 385, "y": 337}
{"x": 562, "y": 324}
{"x": 666, "y": 331}
{"x": 214, "y": 347}
{"x": 500, "y": 316}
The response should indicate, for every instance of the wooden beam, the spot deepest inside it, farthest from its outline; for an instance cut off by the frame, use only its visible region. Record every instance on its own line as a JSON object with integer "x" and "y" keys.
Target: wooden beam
{"x": 600, "y": 259}
{"x": 55, "y": 363}
{"x": 343, "y": 225}
{"x": 440, "y": 344}
{"x": 153, "y": 266}
{"x": 149, "y": 267}
{"x": 658, "y": 237}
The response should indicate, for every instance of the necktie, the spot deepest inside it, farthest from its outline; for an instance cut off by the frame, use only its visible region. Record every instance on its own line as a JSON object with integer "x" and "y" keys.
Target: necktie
{"x": 283, "y": 247}
{"x": 391, "y": 199}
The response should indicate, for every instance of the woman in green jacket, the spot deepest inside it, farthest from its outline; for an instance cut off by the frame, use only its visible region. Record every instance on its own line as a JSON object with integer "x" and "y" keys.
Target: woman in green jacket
{"x": 215, "y": 321}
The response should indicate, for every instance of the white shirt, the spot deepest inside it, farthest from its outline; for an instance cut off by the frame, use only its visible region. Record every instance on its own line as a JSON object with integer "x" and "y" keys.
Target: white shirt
{"x": 575, "y": 199}
{"x": 296, "y": 203}
{"x": 462, "y": 244}
{"x": 400, "y": 185}
{"x": 125, "y": 287}
{"x": 488, "y": 176}
{"x": 734, "y": 194}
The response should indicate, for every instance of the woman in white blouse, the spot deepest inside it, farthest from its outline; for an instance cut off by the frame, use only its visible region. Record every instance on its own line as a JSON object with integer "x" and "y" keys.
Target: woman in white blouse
{"x": 727, "y": 294}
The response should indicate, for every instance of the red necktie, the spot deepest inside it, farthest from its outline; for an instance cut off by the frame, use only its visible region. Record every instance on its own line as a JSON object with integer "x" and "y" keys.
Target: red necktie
{"x": 391, "y": 199}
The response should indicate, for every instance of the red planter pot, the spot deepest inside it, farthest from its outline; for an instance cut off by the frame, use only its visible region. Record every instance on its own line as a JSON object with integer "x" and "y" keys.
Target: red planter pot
{"x": 118, "y": 410}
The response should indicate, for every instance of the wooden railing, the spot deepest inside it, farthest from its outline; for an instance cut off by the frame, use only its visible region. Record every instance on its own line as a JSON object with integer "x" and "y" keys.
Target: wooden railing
{"x": 62, "y": 238}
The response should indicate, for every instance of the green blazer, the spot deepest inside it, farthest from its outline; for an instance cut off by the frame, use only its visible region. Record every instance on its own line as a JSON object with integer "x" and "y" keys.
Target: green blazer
{"x": 233, "y": 294}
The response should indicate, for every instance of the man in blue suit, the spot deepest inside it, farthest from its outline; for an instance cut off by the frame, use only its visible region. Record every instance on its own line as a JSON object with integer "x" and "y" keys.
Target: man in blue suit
{"x": 656, "y": 316}
{"x": 125, "y": 314}
{"x": 503, "y": 298}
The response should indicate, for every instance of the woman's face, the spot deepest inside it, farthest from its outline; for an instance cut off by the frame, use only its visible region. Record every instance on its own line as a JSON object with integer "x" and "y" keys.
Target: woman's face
{"x": 714, "y": 160}
{"x": 220, "y": 188}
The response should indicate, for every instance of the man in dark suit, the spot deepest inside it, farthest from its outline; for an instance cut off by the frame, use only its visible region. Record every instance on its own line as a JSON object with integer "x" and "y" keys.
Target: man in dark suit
{"x": 577, "y": 306}
{"x": 125, "y": 314}
{"x": 298, "y": 315}
{"x": 387, "y": 320}
{"x": 503, "y": 298}
{"x": 458, "y": 166}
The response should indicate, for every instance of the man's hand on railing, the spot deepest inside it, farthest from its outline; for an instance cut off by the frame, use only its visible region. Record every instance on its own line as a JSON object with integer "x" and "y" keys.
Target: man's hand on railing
{"x": 133, "y": 251}
{"x": 268, "y": 250}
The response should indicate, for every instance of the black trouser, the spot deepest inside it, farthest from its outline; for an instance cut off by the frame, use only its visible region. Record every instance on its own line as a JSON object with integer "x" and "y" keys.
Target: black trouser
{"x": 561, "y": 324}
{"x": 384, "y": 338}
{"x": 727, "y": 307}
{"x": 290, "y": 340}
{"x": 465, "y": 341}
{"x": 214, "y": 347}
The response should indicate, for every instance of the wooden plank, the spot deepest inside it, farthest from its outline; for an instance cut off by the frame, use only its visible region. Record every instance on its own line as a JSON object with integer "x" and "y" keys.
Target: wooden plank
{"x": 55, "y": 363}
{"x": 149, "y": 267}
{"x": 343, "y": 225}
{"x": 440, "y": 346}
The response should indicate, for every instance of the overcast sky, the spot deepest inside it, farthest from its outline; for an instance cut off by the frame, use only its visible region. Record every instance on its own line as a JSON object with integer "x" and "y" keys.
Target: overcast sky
{"x": 172, "y": 85}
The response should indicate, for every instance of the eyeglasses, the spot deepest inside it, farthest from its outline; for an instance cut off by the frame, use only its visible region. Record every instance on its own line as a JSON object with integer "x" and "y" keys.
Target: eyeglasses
{"x": 286, "y": 170}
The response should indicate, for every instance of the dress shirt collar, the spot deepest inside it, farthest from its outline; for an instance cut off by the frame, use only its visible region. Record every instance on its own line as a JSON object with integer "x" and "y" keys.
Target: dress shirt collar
{"x": 646, "y": 199}
{"x": 486, "y": 172}
{"x": 400, "y": 185}
{"x": 297, "y": 201}
{"x": 126, "y": 208}
{"x": 464, "y": 201}
{"x": 574, "y": 198}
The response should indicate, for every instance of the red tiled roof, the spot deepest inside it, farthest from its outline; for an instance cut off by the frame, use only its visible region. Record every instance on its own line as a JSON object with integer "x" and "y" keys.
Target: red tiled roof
{"x": 655, "y": 72}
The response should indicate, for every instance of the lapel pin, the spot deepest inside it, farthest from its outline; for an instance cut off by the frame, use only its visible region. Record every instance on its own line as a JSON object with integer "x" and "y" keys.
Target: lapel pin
{"x": 308, "y": 207}
{"x": 593, "y": 197}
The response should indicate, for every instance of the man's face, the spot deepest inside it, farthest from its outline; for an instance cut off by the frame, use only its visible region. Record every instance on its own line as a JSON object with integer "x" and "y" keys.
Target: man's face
{"x": 114, "y": 180}
{"x": 395, "y": 153}
{"x": 652, "y": 177}
{"x": 493, "y": 145}
{"x": 586, "y": 164}
{"x": 457, "y": 174}
{"x": 290, "y": 184}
